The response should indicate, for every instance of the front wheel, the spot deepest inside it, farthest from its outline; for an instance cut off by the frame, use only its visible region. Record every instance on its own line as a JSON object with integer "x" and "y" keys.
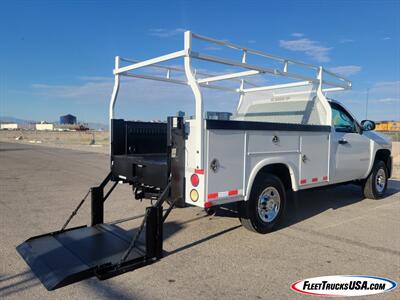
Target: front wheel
{"x": 266, "y": 206}
{"x": 375, "y": 185}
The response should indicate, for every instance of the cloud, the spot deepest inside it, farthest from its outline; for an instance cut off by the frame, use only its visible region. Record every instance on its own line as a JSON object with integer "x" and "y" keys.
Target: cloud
{"x": 137, "y": 99}
{"x": 94, "y": 88}
{"x": 312, "y": 48}
{"x": 392, "y": 87}
{"x": 386, "y": 92}
{"x": 387, "y": 38}
{"x": 87, "y": 90}
{"x": 383, "y": 101}
{"x": 297, "y": 34}
{"x": 388, "y": 100}
{"x": 345, "y": 41}
{"x": 346, "y": 70}
{"x": 94, "y": 78}
{"x": 166, "y": 33}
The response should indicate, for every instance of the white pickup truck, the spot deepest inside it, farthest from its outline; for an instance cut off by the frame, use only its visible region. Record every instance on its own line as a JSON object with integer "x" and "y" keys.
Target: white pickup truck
{"x": 282, "y": 138}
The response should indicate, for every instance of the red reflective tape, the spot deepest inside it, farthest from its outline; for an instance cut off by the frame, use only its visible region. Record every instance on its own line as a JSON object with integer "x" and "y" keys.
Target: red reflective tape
{"x": 213, "y": 196}
{"x": 199, "y": 171}
{"x": 233, "y": 192}
{"x": 208, "y": 204}
{"x": 303, "y": 181}
{"x": 325, "y": 178}
{"x": 315, "y": 179}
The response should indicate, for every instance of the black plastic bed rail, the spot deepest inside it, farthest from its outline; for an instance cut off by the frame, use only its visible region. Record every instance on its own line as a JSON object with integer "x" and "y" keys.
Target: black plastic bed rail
{"x": 63, "y": 257}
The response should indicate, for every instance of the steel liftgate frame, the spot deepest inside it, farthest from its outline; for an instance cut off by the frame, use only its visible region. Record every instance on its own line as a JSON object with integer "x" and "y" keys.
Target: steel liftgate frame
{"x": 104, "y": 250}
{"x": 70, "y": 255}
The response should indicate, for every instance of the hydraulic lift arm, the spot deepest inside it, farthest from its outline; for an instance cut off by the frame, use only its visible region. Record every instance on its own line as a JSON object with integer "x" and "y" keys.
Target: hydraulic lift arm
{"x": 100, "y": 250}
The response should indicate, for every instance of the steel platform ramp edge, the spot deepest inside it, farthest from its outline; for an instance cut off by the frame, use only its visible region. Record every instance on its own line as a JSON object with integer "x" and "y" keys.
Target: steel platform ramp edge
{"x": 64, "y": 257}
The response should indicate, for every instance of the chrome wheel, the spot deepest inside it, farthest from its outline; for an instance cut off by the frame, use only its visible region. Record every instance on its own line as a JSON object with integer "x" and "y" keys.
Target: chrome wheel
{"x": 269, "y": 203}
{"x": 380, "y": 180}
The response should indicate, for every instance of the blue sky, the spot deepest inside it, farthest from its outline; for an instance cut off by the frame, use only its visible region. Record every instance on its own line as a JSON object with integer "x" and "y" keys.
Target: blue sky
{"x": 56, "y": 57}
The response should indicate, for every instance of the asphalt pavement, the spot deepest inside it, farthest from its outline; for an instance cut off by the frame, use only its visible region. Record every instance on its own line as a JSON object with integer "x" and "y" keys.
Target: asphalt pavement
{"x": 331, "y": 231}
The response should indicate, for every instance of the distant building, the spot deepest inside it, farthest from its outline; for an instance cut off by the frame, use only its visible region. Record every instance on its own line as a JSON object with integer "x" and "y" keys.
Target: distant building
{"x": 180, "y": 114}
{"x": 68, "y": 119}
{"x": 44, "y": 126}
{"x": 9, "y": 126}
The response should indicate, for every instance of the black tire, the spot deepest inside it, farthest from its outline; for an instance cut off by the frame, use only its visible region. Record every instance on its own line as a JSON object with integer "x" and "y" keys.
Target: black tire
{"x": 209, "y": 211}
{"x": 370, "y": 185}
{"x": 248, "y": 210}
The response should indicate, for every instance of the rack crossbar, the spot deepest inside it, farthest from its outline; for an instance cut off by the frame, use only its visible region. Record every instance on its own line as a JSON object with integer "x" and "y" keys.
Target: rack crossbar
{"x": 251, "y": 67}
{"x": 152, "y": 61}
{"x": 177, "y": 81}
{"x": 277, "y": 86}
{"x": 228, "y": 76}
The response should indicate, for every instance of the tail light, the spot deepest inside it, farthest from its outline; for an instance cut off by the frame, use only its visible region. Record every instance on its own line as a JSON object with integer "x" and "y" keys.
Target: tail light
{"x": 194, "y": 179}
{"x": 194, "y": 195}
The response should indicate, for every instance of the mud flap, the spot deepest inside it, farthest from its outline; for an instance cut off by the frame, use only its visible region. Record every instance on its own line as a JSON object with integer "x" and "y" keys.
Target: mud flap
{"x": 64, "y": 257}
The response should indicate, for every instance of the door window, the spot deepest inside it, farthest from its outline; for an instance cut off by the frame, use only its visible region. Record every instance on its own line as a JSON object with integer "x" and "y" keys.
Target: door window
{"x": 342, "y": 121}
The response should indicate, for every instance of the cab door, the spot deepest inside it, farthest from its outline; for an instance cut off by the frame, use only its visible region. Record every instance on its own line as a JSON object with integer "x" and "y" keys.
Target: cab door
{"x": 350, "y": 149}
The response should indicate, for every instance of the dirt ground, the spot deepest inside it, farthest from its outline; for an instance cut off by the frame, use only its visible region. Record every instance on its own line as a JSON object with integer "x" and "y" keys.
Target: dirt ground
{"x": 56, "y": 137}
{"x": 327, "y": 232}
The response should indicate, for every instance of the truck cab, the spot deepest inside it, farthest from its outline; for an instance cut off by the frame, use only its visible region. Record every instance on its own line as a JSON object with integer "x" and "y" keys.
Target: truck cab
{"x": 355, "y": 146}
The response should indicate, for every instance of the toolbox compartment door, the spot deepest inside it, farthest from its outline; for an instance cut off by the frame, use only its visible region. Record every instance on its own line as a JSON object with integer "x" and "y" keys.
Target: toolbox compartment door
{"x": 314, "y": 159}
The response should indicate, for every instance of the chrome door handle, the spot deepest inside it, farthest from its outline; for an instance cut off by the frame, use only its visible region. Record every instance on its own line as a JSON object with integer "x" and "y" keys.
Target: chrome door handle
{"x": 343, "y": 141}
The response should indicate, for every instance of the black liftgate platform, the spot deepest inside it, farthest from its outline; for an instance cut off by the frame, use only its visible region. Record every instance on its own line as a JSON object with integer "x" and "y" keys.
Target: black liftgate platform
{"x": 63, "y": 257}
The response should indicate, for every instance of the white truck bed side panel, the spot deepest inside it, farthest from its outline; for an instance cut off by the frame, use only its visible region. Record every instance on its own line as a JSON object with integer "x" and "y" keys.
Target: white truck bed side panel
{"x": 241, "y": 154}
{"x": 227, "y": 147}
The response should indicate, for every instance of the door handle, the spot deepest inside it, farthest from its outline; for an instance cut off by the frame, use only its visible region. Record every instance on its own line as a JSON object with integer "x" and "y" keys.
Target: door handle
{"x": 343, "y": 142}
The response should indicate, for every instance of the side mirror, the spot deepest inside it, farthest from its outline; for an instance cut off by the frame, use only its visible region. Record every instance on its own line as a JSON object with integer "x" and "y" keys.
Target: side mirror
{"x": 367, "y": 125}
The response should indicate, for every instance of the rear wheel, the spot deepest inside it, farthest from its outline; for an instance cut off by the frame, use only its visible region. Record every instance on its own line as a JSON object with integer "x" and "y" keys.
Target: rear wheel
{"x": 375, "y": 185}
{"x": 209, "y": 211}
{"x": 266, "y": 206}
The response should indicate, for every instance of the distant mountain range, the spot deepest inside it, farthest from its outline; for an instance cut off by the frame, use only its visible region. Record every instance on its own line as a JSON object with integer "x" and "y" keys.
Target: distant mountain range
{"x": 7, "y": 119}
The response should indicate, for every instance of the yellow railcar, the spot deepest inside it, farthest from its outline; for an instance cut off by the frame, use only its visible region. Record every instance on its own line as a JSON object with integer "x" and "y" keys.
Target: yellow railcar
{"x": 388, "y": 126}
{"x": 381, "y": 127}
{"x": 394, "y": 126}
